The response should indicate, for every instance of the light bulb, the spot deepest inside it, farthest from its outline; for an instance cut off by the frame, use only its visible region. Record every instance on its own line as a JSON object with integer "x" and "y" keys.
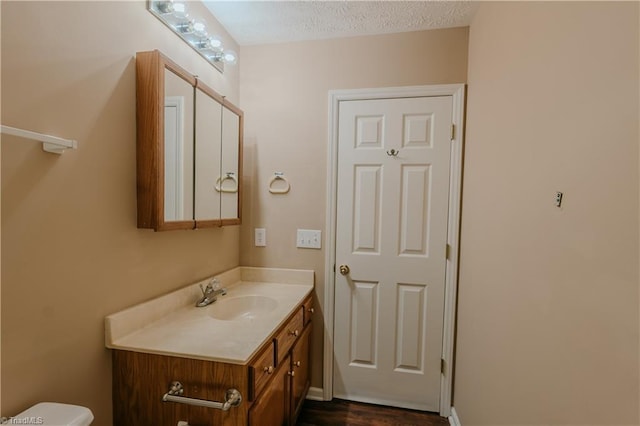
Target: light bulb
{"x": 215, "y": 42}
{"x": 199, "y": 29}
{"x": 229, "y": 57}
{"x": 180, "y": 11}
{"x": 164, "y": 6}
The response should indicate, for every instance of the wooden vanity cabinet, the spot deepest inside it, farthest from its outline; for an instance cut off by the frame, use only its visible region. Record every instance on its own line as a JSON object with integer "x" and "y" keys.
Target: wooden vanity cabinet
{"x": 140, "y": 380}
{"x": 273, "y": 384}
{"x": 282, "y": 399}
{"x": 300, "y": 366}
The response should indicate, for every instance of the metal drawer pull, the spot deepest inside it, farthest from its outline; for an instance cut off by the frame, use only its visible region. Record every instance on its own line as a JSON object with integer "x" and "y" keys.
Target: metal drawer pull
{"x": 232, "y": 398}
{"x": 311, "y": 310}
{"x": 294, "y": 333}
{"x": 297, "y": 363}
{"x": 268, "y": 369}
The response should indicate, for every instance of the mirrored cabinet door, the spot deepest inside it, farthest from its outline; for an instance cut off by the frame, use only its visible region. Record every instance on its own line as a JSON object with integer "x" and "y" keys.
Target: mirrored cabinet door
{"x": 178, "y": 148}
{"x": 230, "y": 178}
{"x": 208, "y": 157}
{"x": 164, "y": 149}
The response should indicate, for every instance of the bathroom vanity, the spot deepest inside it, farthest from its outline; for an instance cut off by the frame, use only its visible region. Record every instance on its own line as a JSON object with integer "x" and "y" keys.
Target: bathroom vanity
{"x": 255, "y": 340}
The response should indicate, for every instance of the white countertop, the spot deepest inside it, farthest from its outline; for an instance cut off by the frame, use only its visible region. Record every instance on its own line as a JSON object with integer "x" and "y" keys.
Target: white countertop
{"x": 172, "y": 325}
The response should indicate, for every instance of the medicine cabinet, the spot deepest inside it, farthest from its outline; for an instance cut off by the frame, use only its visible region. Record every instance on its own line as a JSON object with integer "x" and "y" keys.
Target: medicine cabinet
{"x": 189, "y": 149}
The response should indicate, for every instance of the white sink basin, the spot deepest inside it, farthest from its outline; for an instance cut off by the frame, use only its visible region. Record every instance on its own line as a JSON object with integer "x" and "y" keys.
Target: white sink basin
{"x": 241, "y": 307}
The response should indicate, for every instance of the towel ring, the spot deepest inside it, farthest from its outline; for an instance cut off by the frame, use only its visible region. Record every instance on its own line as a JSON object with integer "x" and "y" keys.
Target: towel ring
{"x": 279, "y": 176}
{"x": 228, "y": 176}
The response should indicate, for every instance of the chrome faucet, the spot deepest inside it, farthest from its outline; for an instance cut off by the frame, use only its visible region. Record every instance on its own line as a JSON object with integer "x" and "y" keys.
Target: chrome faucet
{"x": 210, "y": 293}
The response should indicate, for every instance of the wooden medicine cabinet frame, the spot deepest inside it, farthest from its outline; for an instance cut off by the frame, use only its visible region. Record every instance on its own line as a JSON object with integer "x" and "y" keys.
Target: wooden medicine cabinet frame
{"x": 150, "y": 147}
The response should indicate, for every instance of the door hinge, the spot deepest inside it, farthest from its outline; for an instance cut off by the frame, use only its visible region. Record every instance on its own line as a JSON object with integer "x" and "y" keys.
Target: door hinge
{"x": 453, "y": 131}
{"x": 334, "y": 268}
{"x": 448, "y": 252}
{"x": 443, "y": 365}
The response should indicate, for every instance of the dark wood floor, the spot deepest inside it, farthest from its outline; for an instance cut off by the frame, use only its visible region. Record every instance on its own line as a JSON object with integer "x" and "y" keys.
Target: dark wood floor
{"x": 339, "y": 412}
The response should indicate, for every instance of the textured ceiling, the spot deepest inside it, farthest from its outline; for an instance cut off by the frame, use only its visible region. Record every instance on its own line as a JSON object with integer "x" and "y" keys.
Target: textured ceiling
{"x": 263, "y": 22}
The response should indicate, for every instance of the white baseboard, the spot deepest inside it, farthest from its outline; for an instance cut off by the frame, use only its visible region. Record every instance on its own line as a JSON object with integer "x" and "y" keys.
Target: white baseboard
{"x": 453, "y": 418}
{"x": 315, "y": 394}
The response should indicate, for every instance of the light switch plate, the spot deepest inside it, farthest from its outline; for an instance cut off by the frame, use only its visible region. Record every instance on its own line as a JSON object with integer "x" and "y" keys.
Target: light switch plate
{"x": 260, "y": 237}
{"x": 309, "y": 238}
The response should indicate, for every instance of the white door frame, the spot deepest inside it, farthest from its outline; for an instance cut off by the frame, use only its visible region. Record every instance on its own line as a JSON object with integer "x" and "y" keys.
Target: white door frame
{"x": 457, "y": 91}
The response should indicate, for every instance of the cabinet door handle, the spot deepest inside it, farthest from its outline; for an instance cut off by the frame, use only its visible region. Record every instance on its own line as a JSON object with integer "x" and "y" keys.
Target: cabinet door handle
{"x": 291, "y": 373}
{"x": 269, "y": 369}
{"x": 311, "y": 310}
{"x": 294, "y": 333}
{"x": 297, "y": 363}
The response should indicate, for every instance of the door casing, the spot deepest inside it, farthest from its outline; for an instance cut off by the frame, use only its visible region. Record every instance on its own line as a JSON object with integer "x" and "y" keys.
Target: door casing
{"x": 457, "y": 91}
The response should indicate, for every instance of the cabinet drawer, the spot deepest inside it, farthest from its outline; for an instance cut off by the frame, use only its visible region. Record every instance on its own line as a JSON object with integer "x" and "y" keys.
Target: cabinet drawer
{"x": 308, "y": 310}
{"x": 261, "y": 369}
{"x": 288, "y": 334}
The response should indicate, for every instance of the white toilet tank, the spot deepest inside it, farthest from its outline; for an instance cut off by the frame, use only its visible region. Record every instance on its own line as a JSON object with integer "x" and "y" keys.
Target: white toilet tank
{"x": 54, "y": 414}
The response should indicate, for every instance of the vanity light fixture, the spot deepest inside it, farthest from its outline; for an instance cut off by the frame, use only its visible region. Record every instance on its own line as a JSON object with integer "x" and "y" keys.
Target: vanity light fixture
{"x": 193, "y": 31}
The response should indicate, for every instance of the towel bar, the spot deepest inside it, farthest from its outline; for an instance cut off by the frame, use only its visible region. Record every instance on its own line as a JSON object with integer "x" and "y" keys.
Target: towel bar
{"x": 232, "y": 398}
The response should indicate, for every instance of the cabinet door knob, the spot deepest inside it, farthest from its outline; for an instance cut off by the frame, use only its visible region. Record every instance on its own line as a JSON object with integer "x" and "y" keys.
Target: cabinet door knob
{"x": 297, "y": 363}
{"x": 269, "y": 369}
{"x": 294, "y": 333}
{"x": 311, "y": 310}
{"x": 291, "y": 373}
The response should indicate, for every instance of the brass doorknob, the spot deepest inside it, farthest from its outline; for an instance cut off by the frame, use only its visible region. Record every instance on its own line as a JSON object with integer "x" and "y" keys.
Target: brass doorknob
{"x": 344, "y": 269}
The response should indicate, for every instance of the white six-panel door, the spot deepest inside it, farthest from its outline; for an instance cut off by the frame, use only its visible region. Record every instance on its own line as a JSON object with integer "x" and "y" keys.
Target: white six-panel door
{"x": 391, "y": 232}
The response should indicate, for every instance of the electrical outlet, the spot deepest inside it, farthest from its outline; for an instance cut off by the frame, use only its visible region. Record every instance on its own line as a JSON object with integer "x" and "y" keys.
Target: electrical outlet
{"x": 309, "y": 238}
{"x": 260, "y": 237}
